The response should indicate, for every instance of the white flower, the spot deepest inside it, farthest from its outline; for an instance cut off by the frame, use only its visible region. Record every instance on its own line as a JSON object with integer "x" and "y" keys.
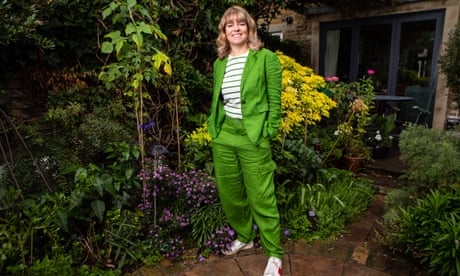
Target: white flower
{"x": 378, "y": 137}
{"x": 337, "y": 132}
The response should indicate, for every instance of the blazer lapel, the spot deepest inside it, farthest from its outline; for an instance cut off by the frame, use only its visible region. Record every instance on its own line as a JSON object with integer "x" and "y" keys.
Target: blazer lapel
{"x": 252, "y": 57}
{"x": 219, "y": 77}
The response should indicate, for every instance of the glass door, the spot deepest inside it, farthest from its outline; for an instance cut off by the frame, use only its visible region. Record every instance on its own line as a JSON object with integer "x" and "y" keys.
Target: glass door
{"x": 338, "y": 45}
{"x": 415, "y": 54}
{"x": 374, "y": 53}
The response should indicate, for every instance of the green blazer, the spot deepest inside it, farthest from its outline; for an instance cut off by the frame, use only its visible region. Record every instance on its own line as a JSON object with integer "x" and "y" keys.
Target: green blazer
{"x": 260, "y": 96}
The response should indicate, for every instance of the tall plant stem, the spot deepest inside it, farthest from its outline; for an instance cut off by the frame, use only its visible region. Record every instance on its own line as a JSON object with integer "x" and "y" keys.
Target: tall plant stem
{"x": 34, "y": 160}
{"x": 177, "y": 127}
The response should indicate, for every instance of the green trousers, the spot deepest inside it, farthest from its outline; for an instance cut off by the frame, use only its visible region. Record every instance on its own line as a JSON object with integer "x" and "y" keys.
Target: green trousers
{"x": 245, "y": 182}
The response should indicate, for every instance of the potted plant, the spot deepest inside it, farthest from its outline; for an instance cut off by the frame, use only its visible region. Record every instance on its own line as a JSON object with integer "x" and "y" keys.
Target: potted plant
{"x": 381, "y": 139}
{"x": 355, "y": 101}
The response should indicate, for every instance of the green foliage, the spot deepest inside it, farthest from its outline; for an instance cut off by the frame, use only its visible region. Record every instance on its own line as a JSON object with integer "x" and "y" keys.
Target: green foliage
{"x": 208, "y": 220}
{"x": 94, "y": 184}
{"x": 336, "y": 198}
{"x": 430, "y": 231}
{"x": 383, "y": 126}
{"x": 296, "y": 161}
{"x": 432, "y": 157}
{"x": 197, "y": 146}
{"x": 450, "y": 62}
{"x": 31, "y": 231}
{"x": 125, "y": 243}
{"x": 20, "y": 20}
{"x": 352, "y": 115}
{"x": 99, "y": 130}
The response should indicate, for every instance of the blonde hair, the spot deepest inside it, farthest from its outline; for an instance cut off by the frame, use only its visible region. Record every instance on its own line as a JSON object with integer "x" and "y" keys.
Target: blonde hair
{"x": 223, "y": 47}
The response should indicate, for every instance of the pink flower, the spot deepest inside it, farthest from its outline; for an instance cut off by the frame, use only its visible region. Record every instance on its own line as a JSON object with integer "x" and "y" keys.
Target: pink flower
{"x": 370, "y": 72}
{"x": 333, "y": 78}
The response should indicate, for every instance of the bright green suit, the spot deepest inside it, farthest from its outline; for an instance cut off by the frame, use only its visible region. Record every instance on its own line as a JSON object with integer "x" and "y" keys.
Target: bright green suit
{"x": 241, "y": 150}
{"x": 260, "y": 95}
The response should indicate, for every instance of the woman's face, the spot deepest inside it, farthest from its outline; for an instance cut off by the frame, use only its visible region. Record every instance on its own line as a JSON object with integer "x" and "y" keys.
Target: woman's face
{"x": 236, "y": 32}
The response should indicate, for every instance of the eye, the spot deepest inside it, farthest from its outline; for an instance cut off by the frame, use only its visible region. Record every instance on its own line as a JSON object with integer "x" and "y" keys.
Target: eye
{"x": 229, "y": 25}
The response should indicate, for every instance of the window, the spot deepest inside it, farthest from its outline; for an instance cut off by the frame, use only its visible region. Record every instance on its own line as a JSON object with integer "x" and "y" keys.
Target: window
{"x": 402, "y": 49}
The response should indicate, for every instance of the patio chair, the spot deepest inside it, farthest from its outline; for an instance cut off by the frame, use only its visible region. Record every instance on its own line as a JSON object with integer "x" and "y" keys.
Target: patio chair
{"x": 416, "y": 111}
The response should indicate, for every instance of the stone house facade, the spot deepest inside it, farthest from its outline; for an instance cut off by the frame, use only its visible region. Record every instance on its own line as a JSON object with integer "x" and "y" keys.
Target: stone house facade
{"x": 402, "y": 40}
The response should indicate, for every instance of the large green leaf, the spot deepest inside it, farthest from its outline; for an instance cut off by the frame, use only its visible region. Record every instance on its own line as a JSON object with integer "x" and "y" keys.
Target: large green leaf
{"x": 98, "y": 207}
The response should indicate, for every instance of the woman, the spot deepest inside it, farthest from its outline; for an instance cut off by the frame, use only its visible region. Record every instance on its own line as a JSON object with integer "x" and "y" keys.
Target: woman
{"x": 244, "y": 116}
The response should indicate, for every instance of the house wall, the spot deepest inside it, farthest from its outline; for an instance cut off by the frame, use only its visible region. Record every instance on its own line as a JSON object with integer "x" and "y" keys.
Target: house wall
{"x": 306, "y": 29}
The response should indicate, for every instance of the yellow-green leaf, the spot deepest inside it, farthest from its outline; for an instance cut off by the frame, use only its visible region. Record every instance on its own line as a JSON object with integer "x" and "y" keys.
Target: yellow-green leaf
{"x": 130, "y": 28}
{"x": 131, "y": 3}
{"x": 107, "y": 47}
{"x": 137, "y": 38}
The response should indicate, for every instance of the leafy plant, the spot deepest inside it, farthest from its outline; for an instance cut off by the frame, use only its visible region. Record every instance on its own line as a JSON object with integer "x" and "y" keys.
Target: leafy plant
{"x": 449, "y": 62}
{"x": 354, "y": 102}
{"x": 177, "y": 207}
{"x": 384, "y": 124}
{"x": 296, "y": 162}
{"x": 336, "y": 198}
{"x": 429, "y": 231}
{"x": 432, "y": 157}
{"x": 198, "y": 150}
{"x": 302, "y": 104}
{"x": 208, "y": 221}
{"x": 94, "y": 184}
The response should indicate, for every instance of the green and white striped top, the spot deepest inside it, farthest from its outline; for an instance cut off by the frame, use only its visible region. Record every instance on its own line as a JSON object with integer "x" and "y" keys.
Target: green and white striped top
{"x": 231, "y": 85}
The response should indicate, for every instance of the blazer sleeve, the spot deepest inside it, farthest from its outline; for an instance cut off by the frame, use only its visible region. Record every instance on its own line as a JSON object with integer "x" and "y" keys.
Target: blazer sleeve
{"x": 273, "y": 76}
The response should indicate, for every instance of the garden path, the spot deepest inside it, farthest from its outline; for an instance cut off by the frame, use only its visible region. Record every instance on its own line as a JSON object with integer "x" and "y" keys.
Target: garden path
{"x": 357, "y": 253}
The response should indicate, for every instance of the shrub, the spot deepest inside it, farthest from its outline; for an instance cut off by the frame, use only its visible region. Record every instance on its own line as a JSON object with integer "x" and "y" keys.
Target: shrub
{"x": 430, "y": 231}
{"x": 450, "y": 63}
{"x": 322, "y": 210}
{"x": 432, "y": 157}
{"x": 179, "y": 206}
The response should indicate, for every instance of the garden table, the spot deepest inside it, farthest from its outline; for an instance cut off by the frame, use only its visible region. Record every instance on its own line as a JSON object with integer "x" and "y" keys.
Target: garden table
{"x": 384, "y": 100}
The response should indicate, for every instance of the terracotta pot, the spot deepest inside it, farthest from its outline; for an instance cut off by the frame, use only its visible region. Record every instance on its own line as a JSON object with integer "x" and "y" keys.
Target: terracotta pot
{"x": 353, "y": 163}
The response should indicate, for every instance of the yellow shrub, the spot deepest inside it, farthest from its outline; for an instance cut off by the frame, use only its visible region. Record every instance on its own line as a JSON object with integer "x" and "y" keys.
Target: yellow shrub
{"x": 301, "y": 102}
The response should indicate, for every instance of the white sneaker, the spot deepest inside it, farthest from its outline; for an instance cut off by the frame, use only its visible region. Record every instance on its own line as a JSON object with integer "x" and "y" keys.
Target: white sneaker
{"x": 237, "y": 246}
{"x": 274, "y": 267}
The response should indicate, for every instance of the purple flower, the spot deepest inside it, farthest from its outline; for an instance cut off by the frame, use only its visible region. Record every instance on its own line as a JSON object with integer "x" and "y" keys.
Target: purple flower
{"x": 286, "y": 232}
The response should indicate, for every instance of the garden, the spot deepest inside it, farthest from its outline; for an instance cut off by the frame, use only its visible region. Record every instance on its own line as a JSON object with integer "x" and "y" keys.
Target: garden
{"x": 117, "y": 173}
